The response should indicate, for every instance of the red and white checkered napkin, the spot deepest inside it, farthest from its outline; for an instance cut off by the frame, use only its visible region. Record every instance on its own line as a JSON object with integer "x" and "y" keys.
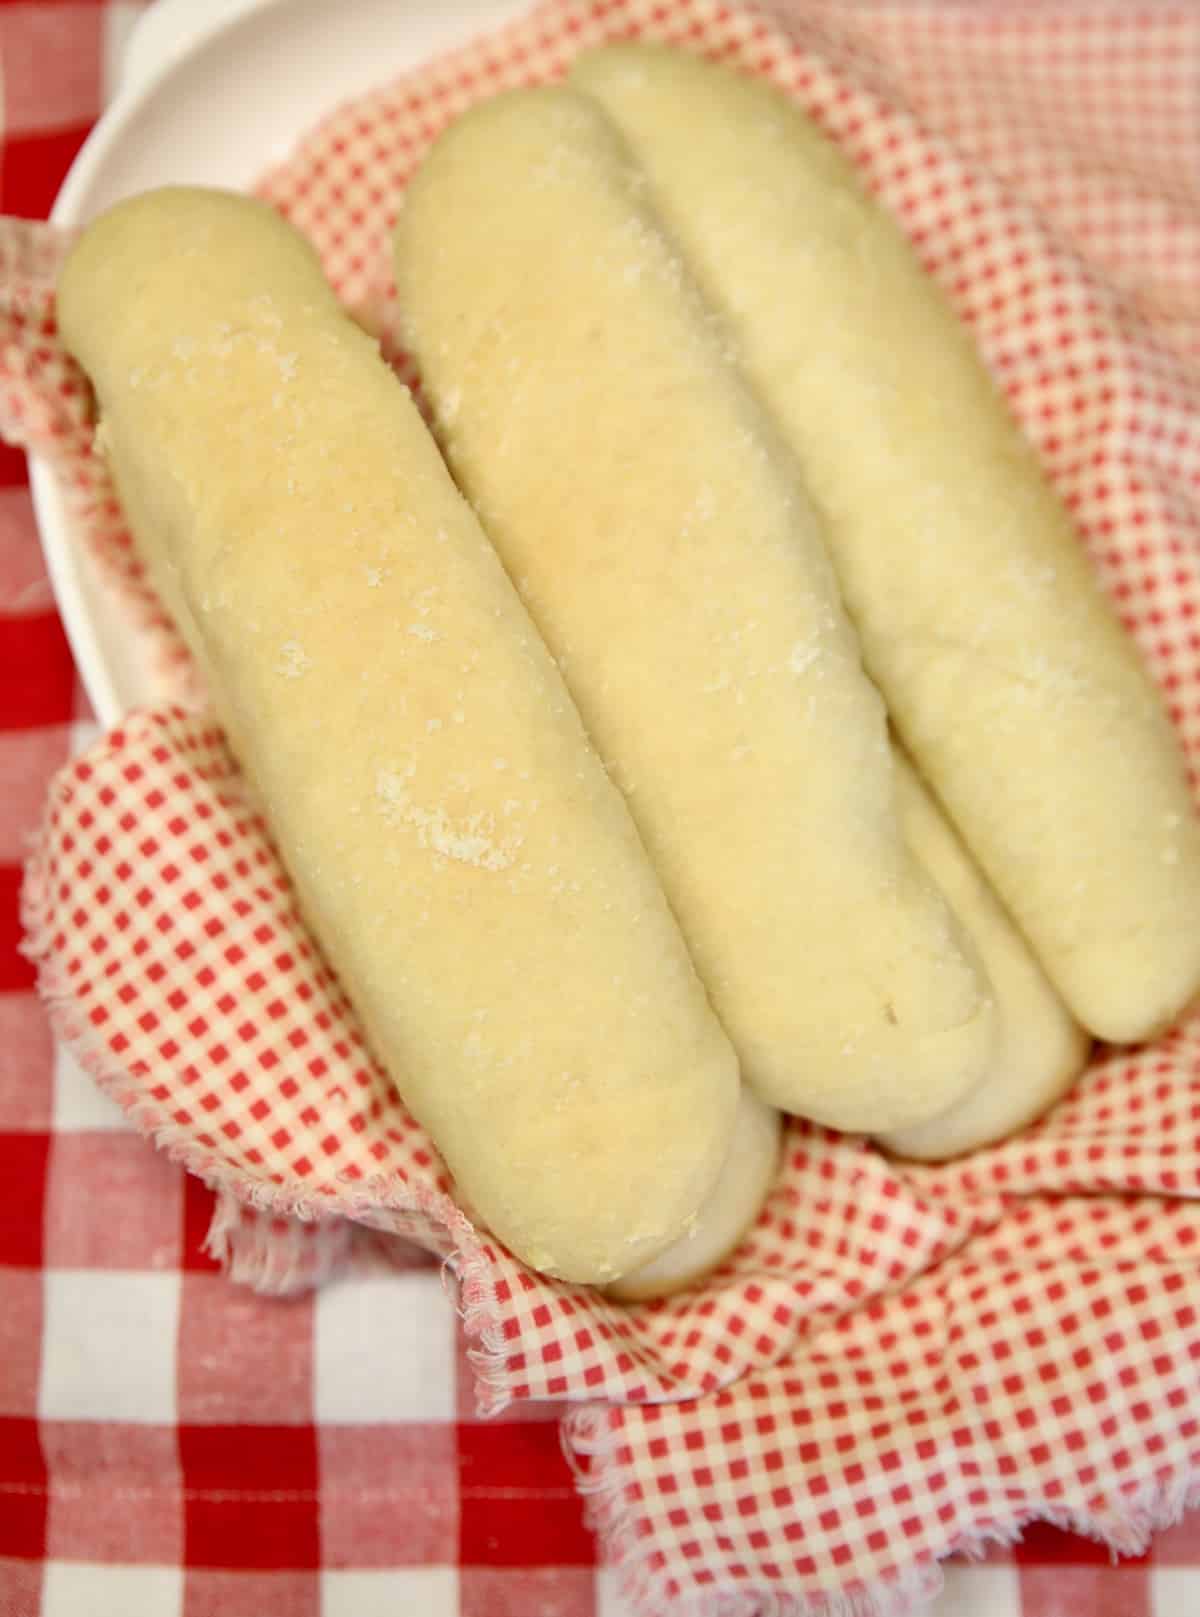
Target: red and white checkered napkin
{"x": 899, "y": 1362}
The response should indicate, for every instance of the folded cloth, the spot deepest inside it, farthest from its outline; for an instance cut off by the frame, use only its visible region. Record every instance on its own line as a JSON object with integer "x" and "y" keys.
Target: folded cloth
{"x": 899, "y": 1362}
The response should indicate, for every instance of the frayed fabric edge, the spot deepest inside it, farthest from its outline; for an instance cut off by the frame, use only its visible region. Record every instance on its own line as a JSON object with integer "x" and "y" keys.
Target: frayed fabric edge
{"x": 1124, "y": 1522}
{"x": 451, "y": 1235}
{"x": 277, "y": 1262}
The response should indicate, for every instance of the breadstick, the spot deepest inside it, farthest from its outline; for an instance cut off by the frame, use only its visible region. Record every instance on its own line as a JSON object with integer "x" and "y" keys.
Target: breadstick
{"x": 641, "y": 501}
{"x": 727, "y": 1215}
{"x": 1041, "y": 1049}
{"x": 1011, "y": 682}
{"x": 471, "y": 873}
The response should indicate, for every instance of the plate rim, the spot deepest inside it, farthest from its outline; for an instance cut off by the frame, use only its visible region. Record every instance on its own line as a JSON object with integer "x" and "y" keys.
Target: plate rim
{"x": 76, "y": 581}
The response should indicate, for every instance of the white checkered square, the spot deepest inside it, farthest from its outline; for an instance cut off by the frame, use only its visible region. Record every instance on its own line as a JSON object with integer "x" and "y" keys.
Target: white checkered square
{"x": 1174, "y": 1591}
{"x": 84, "y": 734}
{"x": 80, "y": 1105}
{"x": 74, "y": 1587}
{"x": 384, "y": 1349}
{"x": 108, "y": 1349}
{"x": 610, "y": 1602}
{"x": 979, "y": 1591}
{"x": 120, "y": 19}
{"x": 431, "y": 1591}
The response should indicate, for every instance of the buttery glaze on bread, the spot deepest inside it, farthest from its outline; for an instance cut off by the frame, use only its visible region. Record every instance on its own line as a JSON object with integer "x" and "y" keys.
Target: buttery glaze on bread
{"x": 1012, "y": 684}
{"x": 1041, "y": 1049}
{"x": 644, "y": 505}
{"x": 468, "y": 868}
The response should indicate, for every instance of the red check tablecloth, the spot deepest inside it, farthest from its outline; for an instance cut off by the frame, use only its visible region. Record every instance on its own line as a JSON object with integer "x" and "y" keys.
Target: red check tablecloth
{"x": 172, "y": 1444}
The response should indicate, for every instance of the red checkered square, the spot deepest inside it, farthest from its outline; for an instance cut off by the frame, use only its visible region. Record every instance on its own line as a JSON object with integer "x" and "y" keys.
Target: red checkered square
{"x": 252, "y": 1594}
{"x": 24, "y": 1157}
{"x": 34, "y": 167}
{"x": 14, "y": 474}
{"x": 517, "y": 1503}
{"x": 1179, "y": 1544}
{"x": 115, "y": 1493}
{"x": 389, "y": 1495}
{"x": 24, "y": 586}
{"x": 1101, "y": 1591}
{"x": 37, "y": 676}
{"x": 20, "y": 1587}
{"x": 243, "y": 1358}
{"x": 26, "y": 1064}
{"x": 28, "y": 758}
{"x": 52, "y": 56}
{"x": 22, "y": 1489}
{"x": 251, "y": 1497}
{"x": 20, "y": 1340}
{"x": 198, "y": 1206}
{"x": 17, "y": 973}
{"x": 92, "y": 1182}
{"x": 566, "y": 1591}
{"x": 1044, "y": 1545}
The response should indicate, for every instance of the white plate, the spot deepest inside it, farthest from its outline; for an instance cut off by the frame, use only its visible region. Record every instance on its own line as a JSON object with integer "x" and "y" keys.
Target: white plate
{"x": 213, "y": 95}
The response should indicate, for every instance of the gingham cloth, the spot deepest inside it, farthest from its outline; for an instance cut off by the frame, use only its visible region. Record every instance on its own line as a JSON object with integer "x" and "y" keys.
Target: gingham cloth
{"x": 898, "y": 1363}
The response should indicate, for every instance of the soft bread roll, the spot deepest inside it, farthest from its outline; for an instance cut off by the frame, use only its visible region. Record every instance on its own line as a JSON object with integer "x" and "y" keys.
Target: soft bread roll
{"x": 727, "y": 1215}
{"x": 1020, "y": 698}
{"x": 642, "y": 503}
{"x": 471, "y": 873}
{"x": 1041, "y": 1049}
